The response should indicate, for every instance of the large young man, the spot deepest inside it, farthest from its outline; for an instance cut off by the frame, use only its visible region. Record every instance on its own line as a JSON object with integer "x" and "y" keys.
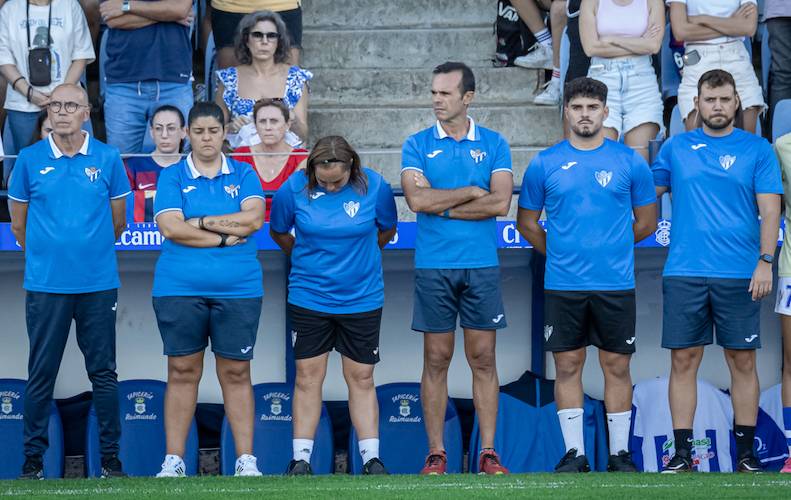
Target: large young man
{"x": 457, "y": 177}
{"x": 599, "y": 199}
{"x": 720, "y": 260}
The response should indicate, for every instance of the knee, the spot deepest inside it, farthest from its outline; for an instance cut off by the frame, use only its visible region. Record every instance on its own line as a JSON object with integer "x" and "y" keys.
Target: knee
{"x": 684, "y": 361}
{"x": 360, "y": 379}
{"x": 236, "y": 374}
{"x": 482, "y": 360}
{"x": 616, "y": 367}
{"x": 184, "y": 373}
{"x": 437, "y": 360}
{"x": 568, "y": 367}
{"x": 308, "y": 378}
{"x": 742, "y": 361}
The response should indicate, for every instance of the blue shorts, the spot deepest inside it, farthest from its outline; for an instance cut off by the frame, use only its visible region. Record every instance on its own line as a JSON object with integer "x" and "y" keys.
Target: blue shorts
{"x": 694, "y": 307}
{"x": 471, "y": 294}
{"x": 187, "y": 323}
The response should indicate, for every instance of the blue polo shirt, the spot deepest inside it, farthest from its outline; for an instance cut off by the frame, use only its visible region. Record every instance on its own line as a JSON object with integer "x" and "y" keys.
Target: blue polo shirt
{"x": 230, "y": 272}
{"x": 336, "y": 263}
{"x": 69, "y": 236}
{"x": 444, "y": 243}
{"x": 714, "y": 180}
{"x": 588, "y": 197}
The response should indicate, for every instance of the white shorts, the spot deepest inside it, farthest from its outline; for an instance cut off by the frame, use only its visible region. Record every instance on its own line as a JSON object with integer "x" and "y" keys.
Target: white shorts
{"x": 783, "y": 304}
{"x": 731, "y": 57}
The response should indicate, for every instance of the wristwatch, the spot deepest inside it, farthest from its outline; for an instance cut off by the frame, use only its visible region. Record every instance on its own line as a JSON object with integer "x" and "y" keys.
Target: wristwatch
{"x": 125, "y": 6}
{"x": 767, "y": 258}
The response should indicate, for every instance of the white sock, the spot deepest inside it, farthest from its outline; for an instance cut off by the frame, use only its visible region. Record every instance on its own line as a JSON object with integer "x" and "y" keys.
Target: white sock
{"x": 544, "y": 37}
{"x": 571, "y": 426}
{"x": 618, "y": 425}
{"x": 303, "y": 448}
{"x": 556, "y": 74}
{"x": 369, "y": 448}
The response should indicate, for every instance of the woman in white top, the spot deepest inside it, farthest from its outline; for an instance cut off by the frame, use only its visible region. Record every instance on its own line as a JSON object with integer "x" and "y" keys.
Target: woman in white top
{"x": 713, "y": 32}
{"x": 620, "y": 36}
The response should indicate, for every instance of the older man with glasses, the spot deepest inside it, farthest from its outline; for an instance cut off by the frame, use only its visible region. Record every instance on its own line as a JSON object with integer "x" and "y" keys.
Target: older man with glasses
{"x": 68, "y": 207}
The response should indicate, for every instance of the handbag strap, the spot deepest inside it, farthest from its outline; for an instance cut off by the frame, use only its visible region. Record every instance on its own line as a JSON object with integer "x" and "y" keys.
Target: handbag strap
{"x": 49, "y": 22}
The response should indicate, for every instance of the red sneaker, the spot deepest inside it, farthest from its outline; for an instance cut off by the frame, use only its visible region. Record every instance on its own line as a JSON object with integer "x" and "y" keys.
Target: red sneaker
{"x": 436, "y": 463}
{"x": 489, "y": 463}
{"x": 786, "y": 466}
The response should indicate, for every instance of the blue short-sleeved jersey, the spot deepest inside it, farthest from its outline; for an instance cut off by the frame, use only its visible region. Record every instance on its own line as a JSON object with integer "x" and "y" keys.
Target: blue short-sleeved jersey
{"x": 444, "y": 243}
{"x": 230, "y": 272}
{"x": 70, "y": 239}
{"x": 588, "y": 197}
{"x": 713, "y": 181}
{"x": 336, "y": 263}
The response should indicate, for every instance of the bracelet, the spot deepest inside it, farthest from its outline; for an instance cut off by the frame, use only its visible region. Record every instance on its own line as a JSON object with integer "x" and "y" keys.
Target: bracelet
{"x": 201, "y": 225}
{"x": 223, "y": 239}
{"x": 29, "y": 91}
{"x": 13, "y": 85}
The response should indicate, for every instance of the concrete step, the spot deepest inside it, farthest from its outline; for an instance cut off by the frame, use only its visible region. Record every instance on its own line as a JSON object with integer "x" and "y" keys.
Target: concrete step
{"x": 397, "y": 13}
{"x": 412, "y": 87}
{"x": 388, "y": 127}
{"x": 352, "y": 49}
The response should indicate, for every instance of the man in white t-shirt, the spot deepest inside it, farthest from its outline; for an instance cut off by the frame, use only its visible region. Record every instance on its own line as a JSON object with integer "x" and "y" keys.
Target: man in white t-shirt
{"x": 713, "y": 32}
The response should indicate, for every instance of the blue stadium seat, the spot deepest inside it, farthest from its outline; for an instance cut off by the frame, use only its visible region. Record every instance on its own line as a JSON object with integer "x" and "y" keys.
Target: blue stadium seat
{"x": 142, "y": 446}
{"x": 402, "y": 433}
{"x": 12, "y": 396}
{"x": 781, "y": 119}
{"x": 671, "y": 77}
{"x": 676, "y": 122}
{"x": 273, "y": 433}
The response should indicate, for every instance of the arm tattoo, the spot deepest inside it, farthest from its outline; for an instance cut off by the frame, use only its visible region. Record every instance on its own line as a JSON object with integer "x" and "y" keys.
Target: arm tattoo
{"x": 222, "y": 223}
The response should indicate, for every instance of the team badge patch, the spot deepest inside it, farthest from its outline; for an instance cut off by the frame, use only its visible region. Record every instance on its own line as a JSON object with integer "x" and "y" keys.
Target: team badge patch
{"x": 404, "y": 410}
{"x": 727, "y": 161}
{"x": 603, "y": 177}
{"x": 232, "y": 190}
{"x": 92, "y": 173}
{"x": 477, "y": 155}
{"x": 276, "y": 407}
{"x": 140, "y": 405}
{"x": 351, "y": 207}
{"x": 7, "y": 406}
{"x": 662, "y": 233}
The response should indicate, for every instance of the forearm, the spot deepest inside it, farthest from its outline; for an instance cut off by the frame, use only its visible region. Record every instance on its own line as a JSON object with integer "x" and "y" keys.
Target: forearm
{"x": 165, "y": 11}
{"x": 436, "y": 201}
{"x": 284, "y": 240}
{"x": 76, "y": 69}
{"x": 183, "y": 233}
{"x": 691, "y": 32}
{"x": 129, "y": 22}
{"x": 642, "y": 230}
{"x": 636, "y": 46}
{"x": 385, "y": 237}
{"x": 603, "y": 48}
{"x": 770, "y": 228}
{"x": 19, "y": 233}
{"x": 299, "y": 127}
{"x": 535, "y": 234}
{"x": 730, "y": 26}
{"x": 485, "y": 207}
{"x": 240, "y": 224}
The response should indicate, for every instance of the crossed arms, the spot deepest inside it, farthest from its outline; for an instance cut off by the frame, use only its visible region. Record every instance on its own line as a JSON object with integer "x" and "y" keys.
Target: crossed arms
{"x": 467, "y": 203}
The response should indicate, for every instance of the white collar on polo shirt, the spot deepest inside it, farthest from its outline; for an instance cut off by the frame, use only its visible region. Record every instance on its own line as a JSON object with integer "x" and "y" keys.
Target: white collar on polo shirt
{"x": 57, "y": 153}
{"x": 224, "y": 169}
{"x": 441, "y": 134}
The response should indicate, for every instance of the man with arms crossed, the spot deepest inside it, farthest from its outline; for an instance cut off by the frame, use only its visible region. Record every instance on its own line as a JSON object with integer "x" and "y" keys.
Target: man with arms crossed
{"x": 591, "y": 187}
{"x": 720, "y": 261}
{"x": 68, "y": 196}
{"x": 457, "y": 177}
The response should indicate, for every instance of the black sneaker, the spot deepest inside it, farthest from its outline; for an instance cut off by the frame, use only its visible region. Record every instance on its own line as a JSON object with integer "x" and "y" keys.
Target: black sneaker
{"x": 573, "y": 463}
{"x": 33, "y": 468}
{"x": 299, "y": 468}
{"x": 622, "y": 462}
{"x": 374, "y": 467}
{"x": 111, "y": 467}
{"x": 749, "y": 464}
{"x": 678, "y": 464}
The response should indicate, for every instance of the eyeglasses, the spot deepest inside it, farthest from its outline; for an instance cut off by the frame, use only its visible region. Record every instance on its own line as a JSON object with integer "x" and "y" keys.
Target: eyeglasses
{"x": 269, "y": 36}
{"x": 69, "y": 106}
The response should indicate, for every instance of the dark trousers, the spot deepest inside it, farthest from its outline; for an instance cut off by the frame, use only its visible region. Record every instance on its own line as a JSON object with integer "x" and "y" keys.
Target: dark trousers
{"x": 780, "y": 69}
{"x": 49, "y": 317}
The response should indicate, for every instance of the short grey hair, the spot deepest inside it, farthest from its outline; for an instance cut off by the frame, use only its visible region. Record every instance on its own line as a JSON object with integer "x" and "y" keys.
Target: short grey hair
{"x": 243, "y": 34}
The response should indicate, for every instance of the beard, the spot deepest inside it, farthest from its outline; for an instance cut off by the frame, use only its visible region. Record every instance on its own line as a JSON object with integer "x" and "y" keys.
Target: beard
{"x": 585, "y": 130}
{"x": 721, "y": 122}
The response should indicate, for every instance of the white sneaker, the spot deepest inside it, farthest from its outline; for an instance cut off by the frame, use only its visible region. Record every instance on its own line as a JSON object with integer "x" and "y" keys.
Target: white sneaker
{"x": 551, "y": 94}
{"x": 246, "y": 466}
{"x": 173, "y": 466}
{"x": 539, "y": 57}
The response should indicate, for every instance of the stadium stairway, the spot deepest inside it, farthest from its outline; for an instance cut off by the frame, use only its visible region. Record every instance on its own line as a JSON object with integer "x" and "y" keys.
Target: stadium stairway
{"x": 372, "y": 63}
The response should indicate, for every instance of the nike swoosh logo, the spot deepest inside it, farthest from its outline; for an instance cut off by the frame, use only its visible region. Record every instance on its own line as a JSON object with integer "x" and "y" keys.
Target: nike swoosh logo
{"x": 46, "y": 170}
{"x": 188, "y": 189}
{"x": 434, "y": 153}
{"x": 145, "y": 186}
{"x": 630, "y": 341}
{"x": 246, "y": 349}
{"x": 751, "y": 337}
{"x": 568, "y": 165}
{"x": 497, "y": 319}
{"x": 317, "y": 195}
{"x": 572, "y": 418}
{"x": 698, "y": 146}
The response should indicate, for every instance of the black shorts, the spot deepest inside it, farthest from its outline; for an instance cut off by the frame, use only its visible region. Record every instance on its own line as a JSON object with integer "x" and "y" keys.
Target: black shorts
{"x": 355, "y": 335}
{"x": 605, "y": 319}
{"x": 223, "y": 25}
{"x": 578, "y": 61}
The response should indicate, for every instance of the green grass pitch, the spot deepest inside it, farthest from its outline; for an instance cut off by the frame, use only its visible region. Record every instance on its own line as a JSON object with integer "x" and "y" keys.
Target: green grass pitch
{"x": 608, "y": 486}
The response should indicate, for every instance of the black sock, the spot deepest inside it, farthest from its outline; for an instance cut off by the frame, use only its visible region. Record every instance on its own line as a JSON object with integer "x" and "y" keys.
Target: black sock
{"x": 683, "y": 442}
{"x": 745, "y": 436}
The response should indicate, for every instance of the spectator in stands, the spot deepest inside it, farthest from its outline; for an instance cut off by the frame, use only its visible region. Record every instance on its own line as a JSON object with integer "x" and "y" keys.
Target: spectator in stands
{"x": 720, "y": 260}
{"x": 578, "y": 62}
{"x": 783, "y": 305}
{"x": 280, "y": 160}
{"x": 167, "y": 129}
{"x": 546, "y": 53}
{"x": 43, "y": 128}
{"x": 69, "y": 196}
{"x": 207, "y": 284}
{"x": 713, "y": 33}
{"x": 149, "y": 63}
{"x": 457, "y": 178}
{"x": 621, "y": 59}
{"x": 225, "y": 18}
{"x": 335, "y": 295}
{"x": 590, "y": 296}
{"x": 94, "y": 18}
{"x": 262, "y": 50}
{"x": 777, "y": 14}
{"x": 57, "y": 37}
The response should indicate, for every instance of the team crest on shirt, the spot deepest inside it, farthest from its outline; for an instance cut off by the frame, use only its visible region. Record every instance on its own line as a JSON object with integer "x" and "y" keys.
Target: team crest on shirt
{"x": 351, "y": 207}
{"x": 7, "y": 406}
{"x": 92, "y": 173}
{"x": 477, "y": 155}
{"x": 603, "y": 177}
{"x": 140, "y": 405}
{"x": 276, "y": 406}
{"x": 727, "y": 161}
{"x": 662, "y": 233}
{"x": 404, "y": 410}
{"x": 232, "y": 190}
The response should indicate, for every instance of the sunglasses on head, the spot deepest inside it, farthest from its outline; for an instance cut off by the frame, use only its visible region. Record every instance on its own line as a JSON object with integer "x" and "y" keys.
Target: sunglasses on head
{"x": 269, "y": 36}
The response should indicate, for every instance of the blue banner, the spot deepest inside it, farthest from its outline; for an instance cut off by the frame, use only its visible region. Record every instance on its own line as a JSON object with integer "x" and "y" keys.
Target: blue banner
{"x": 145, "y": 236}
